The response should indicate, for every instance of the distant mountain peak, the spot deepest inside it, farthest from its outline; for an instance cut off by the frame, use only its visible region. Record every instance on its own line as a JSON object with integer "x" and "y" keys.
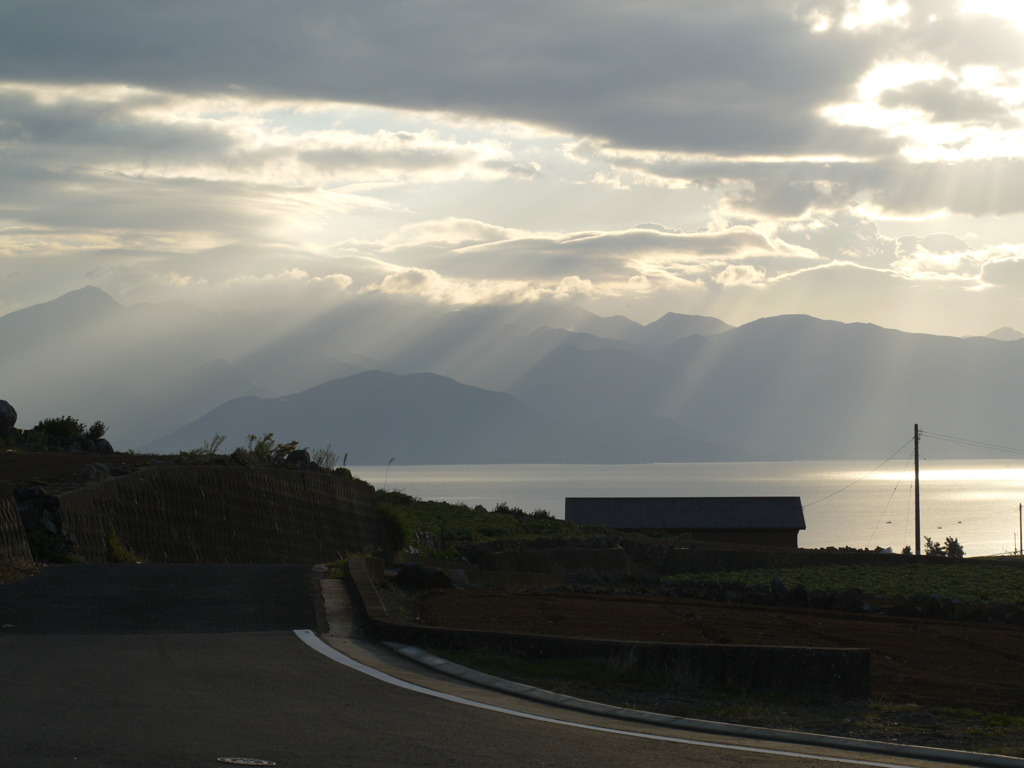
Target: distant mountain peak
{"x": 1005, "y": 334}
{"x": 75, "y": 306}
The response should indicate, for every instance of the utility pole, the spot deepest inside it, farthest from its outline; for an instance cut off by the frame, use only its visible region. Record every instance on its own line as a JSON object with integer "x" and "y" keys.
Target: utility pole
{"x": 1020, "y": 525}
{"x": 917, "y": 488}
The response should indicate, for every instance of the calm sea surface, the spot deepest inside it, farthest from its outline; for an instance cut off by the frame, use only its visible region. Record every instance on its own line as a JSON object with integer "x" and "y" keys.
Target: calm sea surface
{"x": 856, "y": 504}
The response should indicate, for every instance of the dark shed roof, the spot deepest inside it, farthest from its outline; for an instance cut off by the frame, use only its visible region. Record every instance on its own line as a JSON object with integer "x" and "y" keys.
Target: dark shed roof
{"x": 695, "y": 513}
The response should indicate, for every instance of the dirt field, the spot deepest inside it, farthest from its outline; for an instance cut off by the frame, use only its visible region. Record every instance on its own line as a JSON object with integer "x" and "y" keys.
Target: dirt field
{"x": 929, "y": 663}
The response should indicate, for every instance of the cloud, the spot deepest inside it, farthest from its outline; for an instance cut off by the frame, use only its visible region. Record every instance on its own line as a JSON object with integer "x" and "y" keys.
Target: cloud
{"x": 1006, "y": 270}
{"x": 945, "y": 101}
{"x": 783, "y": 155}
{"x": 740, "y": 274}
{"x": 724, "y": 76}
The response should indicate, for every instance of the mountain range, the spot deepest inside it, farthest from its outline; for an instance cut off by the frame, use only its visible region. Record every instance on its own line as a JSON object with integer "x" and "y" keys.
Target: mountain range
{"x": 381, "y": 379}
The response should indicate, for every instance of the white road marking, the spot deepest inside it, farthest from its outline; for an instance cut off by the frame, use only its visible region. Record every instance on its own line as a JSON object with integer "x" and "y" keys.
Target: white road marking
{"x": 310, "y": 638}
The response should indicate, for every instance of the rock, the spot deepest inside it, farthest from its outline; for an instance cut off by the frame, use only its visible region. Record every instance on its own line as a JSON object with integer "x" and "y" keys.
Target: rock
{"x": 850, "y": 600}
{"x": 780, "y": 592}
{"x": 419, "y": 576}
{"x": 298, "y": 459}
{"x": 44, "y": 524}
{"x": 8, "y": 418}
{"x": 798, "y": 596}
{"x": 94, "y": 472}
{"x": 103, "y": 446}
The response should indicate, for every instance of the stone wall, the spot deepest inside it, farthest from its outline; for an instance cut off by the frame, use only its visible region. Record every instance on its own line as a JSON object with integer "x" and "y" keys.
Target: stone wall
{"x": 200, "y": 514}
{"x": 13, "y": 544}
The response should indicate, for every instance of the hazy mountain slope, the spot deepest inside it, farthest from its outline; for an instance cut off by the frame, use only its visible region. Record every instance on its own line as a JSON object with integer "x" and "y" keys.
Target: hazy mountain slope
{"x": 139, "y": 369}
{"x": 591, "y": 389}
{"x": 672, "y": 327}
{"x": 809, "y": 388}
{"x": 798, "y": 387}
{"x": 1005, "y": 334}
{"x": 600, "y": 383}
{"x": 422, "y": 419}
{"x": 428, "y": 419}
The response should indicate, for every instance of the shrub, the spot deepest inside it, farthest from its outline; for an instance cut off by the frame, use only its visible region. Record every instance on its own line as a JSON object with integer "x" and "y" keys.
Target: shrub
{"x": 268, "y": 450}
{"x": 63, "y": 426}
{"x": 396, "y": 529}
{"x": 954, "y": 548}
{"x": 324, "y": 458}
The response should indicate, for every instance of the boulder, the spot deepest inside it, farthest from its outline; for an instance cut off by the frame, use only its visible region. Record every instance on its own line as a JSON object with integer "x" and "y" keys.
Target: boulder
{"x": 419, "y": 576}
{"x": 8, "y": 418}
{"x": 298, "y": 459}
{"x": 94, "y": 472}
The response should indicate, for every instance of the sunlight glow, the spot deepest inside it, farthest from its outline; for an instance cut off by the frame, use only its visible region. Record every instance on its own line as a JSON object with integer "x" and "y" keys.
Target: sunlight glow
{"x": 936, "y": 138}
{"x": 865, "y": 14}
{"x": 955, "y": 474}
{"x": 1011, "y": 10}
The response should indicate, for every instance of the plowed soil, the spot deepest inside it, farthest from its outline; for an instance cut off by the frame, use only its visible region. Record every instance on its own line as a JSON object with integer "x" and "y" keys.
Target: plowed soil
{"x": 933, "y": 664}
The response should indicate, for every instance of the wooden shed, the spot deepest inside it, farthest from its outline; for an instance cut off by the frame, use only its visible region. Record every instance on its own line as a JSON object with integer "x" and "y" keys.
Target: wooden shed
{"x": 773, "y": 521}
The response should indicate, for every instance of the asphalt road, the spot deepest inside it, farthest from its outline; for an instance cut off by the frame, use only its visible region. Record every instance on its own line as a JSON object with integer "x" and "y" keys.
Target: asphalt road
{"x": 165, "y": 665}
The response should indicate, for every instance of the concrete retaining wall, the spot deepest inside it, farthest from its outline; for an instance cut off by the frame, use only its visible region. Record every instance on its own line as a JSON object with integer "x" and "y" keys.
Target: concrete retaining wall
{"x": 13, "y": 544}
{"x": 807, "y": 674}
{"x": 226, "y": 514}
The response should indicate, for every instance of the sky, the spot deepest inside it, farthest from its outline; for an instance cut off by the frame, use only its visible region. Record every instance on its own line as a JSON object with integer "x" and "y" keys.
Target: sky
{"x": 855, "y": 160}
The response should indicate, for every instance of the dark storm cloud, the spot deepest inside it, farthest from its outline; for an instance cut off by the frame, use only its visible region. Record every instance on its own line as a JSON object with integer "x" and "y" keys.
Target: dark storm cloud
{"x": 727, "y": 77}
{"x": 85, "y": 132}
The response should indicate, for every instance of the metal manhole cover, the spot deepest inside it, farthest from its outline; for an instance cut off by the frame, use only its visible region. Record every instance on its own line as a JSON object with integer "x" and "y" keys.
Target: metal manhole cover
{"x": 245, "y": 761}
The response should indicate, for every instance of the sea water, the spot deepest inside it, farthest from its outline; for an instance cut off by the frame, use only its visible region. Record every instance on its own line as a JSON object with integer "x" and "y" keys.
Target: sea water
{"x": 846, "y": 503}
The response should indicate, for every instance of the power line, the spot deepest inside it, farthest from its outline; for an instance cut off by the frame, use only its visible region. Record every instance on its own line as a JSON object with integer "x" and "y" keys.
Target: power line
{"x": 869, "y": 472}
{"x": 975, "y": 443}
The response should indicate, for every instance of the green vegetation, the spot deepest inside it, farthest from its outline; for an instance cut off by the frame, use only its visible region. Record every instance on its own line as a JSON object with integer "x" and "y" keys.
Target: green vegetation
{"x": 267, "y": 449}
{"x": 259, "y": 450}
{"x": 971, "y": 582}
{"x": 117, "y": 552}
{"x": 952, "y": 548}
{"x": 54, "y": 430}
{"x": 325, "y": 458}
{"x": 206, "y": 451}
{"x": 338, "y": 569}
{"x": 436, "y": 527}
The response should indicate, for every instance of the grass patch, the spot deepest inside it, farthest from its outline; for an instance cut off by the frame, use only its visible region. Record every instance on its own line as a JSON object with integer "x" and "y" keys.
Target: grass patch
{"x": 117, "y": 552}
{"x": 971, "y": 582}
{"x": 434, "y": 528}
